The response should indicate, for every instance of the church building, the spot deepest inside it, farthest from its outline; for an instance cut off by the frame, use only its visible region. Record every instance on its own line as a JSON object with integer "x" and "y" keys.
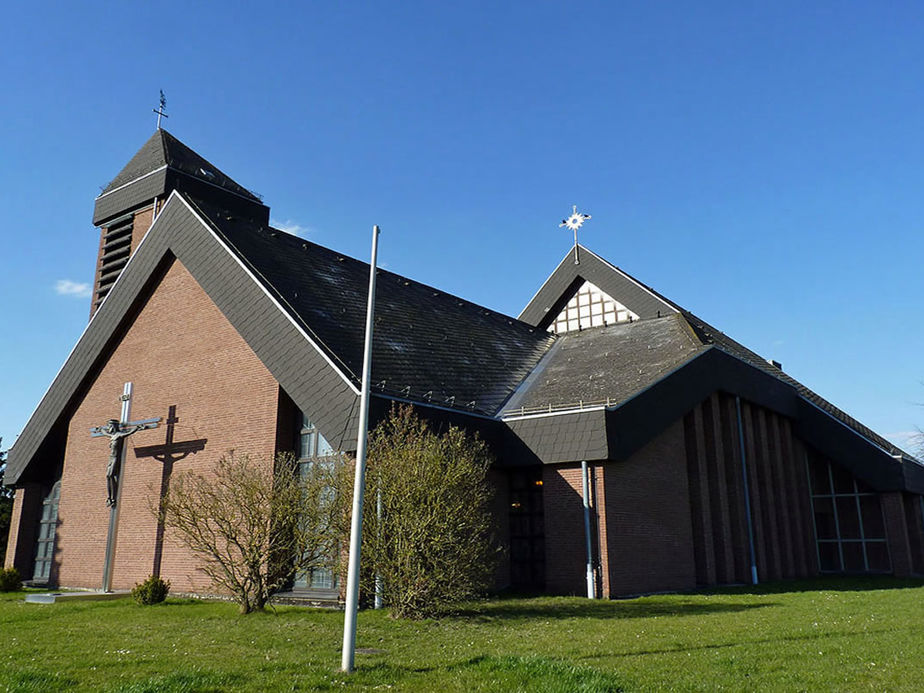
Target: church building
{"x": 699, "y": 462}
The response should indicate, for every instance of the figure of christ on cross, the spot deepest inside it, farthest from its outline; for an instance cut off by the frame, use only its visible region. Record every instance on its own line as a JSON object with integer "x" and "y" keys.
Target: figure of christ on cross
{"x": 116, "y": 433}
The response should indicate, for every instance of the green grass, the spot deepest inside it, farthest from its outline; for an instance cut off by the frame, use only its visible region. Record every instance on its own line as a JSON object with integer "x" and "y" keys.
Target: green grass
{"x": 833, "y": 635}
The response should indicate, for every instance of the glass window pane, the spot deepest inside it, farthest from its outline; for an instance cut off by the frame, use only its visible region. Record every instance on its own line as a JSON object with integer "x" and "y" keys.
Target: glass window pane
{"x": 324, "y": 448}
{"x": 306, "y": 445}
{"x": 824, "y": 518}
{"x": 853, "y": 557}
{"x": 322, "y": 579}
{"x": 877, "y": 553}
{"x": 848, "y": 518}
{"x": 873, "y": 526}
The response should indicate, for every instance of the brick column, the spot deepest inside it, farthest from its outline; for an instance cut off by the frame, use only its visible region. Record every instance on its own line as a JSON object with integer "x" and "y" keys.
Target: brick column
{"x": 27, "y": 507}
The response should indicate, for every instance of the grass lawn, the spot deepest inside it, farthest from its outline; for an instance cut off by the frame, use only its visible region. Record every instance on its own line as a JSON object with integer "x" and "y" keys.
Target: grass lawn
{"x": 833, "y": 635}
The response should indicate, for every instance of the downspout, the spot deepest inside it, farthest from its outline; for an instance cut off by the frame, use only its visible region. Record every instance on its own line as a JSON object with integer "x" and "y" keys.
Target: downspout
{"x": 747, "y": 494}
{"x": 591, "y": 586}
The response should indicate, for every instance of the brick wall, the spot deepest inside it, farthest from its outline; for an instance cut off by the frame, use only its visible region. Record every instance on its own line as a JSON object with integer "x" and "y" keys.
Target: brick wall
{"x": 179, "y": 352}
{"x": 649, "y": 541}
{"x": 563, "y": 509}
{"x": 640, "y": 522}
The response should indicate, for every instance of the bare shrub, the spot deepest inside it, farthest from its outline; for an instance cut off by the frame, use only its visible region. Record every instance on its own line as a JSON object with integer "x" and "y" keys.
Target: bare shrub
{"x": 254, "y": 524}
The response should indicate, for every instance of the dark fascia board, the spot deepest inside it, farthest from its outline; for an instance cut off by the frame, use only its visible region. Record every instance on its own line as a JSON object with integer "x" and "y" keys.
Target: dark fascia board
{"x": 865, "y": 459}
{"x": 567, "y": 277}
{"x": 302, "y": 369}
{"x": 133, "y": 194}
{"x": 144, "y": 189}
{"x": 633, "y": 423}
{"x": 558, "y": 437}
{"x": 615, "y": 433}
{"x": 637, "y": 421}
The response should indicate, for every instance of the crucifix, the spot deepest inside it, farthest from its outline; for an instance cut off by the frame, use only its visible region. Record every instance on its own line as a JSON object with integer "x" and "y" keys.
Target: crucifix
{"x": 117, "y": 430}
{"x": 574, "y": 222}
{"x": 168, "y": 453}
{"x": 160, "y": 111}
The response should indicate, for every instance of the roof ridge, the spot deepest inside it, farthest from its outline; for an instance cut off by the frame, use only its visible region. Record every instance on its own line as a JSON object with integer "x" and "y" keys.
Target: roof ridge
{"x": 429, "y": 287}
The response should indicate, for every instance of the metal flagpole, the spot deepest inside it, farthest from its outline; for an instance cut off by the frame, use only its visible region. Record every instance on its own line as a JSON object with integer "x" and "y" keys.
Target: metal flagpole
{"x": 356, "y": 524}
{"x": 378, "y": 577}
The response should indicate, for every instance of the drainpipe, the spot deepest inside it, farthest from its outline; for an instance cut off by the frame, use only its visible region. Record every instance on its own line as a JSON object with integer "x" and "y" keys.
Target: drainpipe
{"x": 747, "y": 495}
{"x": 591, "y": 591}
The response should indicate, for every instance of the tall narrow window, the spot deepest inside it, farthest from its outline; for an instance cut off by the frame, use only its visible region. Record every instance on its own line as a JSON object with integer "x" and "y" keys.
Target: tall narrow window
{"x": 849, "y": 525}
{"x": 313, "y": 449}
{"x": 45, "y": 543}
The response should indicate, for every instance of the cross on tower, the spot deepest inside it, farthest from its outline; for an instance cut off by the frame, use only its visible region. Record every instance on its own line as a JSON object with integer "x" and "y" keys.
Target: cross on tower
{"x": 117, "y": 430}
{"x": 160, "y": 111}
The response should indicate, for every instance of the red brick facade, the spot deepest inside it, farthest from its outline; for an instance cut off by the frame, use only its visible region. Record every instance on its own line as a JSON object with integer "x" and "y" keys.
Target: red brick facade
{"x": 641, "y": 522}
{"x": 180, "y": 352}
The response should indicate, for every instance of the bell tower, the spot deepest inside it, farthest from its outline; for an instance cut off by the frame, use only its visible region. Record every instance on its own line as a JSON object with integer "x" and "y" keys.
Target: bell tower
{"x": 127, "y": 207}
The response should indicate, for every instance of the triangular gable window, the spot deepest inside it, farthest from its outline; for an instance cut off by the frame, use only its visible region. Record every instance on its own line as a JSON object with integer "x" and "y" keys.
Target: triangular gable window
{"x": 590, "y": 307}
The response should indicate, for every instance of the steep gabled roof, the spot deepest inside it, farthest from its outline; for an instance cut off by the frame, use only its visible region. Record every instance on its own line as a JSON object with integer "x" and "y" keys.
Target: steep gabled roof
{"x": 428, "y": 345}
{"x": 301, "y": 308}
{"x": 648, "y": 303}
{"x": 606, "y": 365}
{"x": 163, "y": 149}
{"x": 163, "y": 164}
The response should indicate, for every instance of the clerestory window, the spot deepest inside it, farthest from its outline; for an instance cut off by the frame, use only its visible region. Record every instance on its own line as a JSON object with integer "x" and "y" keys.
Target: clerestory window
{"x": 849, "y": 525}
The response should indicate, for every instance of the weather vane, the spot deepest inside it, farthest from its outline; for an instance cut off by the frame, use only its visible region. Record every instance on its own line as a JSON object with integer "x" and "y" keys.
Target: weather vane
{"x": 160, "y": 111}
{"x": 574, "y": 222}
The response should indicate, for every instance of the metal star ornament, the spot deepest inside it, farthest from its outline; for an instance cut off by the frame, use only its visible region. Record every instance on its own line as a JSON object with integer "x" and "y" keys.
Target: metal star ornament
{"x": 574, "y": 222}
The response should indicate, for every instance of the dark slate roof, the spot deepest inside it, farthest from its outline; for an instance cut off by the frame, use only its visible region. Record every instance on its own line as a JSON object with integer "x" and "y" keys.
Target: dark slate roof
{"x": 428, "y": 345}
{"x": 607, "y": 365}
{"x": 637, "y": 296}
{"x": 163, "y": 149}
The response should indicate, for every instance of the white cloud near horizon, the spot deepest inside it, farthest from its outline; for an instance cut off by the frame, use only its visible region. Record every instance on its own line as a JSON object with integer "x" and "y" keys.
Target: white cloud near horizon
{"x": 66, "y": 287}
{"x": 292, "y": 227}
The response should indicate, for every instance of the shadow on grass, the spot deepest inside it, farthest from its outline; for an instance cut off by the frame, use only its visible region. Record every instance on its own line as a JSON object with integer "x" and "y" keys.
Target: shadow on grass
{"x": 802, "y": 637}
{"x": 183, "y": 682}
{"x": 493, "y": 673}
{"x": 515, "y": 609}
{"x": 35, "y": 680}
{"x": 826, "y": 584}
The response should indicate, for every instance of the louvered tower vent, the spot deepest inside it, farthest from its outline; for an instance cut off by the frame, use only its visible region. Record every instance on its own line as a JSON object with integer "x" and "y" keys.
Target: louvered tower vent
{"x": 117, "y": 246}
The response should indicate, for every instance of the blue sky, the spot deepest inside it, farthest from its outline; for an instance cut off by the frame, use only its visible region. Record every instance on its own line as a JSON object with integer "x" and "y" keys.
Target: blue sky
{"x": 759, "y": 163}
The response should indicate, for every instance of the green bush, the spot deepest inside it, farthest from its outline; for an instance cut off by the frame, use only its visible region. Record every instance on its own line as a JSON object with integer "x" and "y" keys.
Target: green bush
{"x": 10, "y": 581}
{"x": 151, "y": 591}
{"x": 433, "y": 545}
